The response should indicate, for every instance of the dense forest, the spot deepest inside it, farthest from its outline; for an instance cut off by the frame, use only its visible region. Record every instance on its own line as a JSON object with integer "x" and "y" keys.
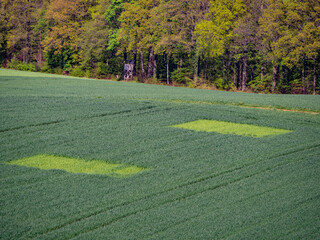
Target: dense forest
{"x": 247, "y": 45}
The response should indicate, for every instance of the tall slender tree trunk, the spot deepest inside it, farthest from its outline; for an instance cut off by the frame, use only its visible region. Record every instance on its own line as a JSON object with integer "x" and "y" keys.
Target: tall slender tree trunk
{"x": 303, "y": 76}
{"x": 26, "y": 52}
{"x": 125, "y": 56}
{"x": 196, "y": 60}
{"x": 205, "y": 70}
{"x": 198, "y": 66}
{"x": 168, "y": 62}
{"x": 314, "y": 76}
{"x": 274, "y": 76}
{"x": 227, "y": 66}
{"x": 155, "y": 66}
{"x": 244, "y": 74}
{"x": 234, "y": 74}
{"x": 40, "y": 54}
{"x": 124, "y": 64}
{"x": 142, "y": 63}
{"x": 223, "y": 69}
{"x": 27, "y": 28}
{"x": 261, "y": 73}
{"x": 239, "y": 78}
{"x": 135, "y": 63}
{"x": 150, "y": 62}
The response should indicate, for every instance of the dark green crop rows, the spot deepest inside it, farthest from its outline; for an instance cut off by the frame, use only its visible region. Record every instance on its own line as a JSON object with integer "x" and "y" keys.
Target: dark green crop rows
{"x": 199, "y": 185}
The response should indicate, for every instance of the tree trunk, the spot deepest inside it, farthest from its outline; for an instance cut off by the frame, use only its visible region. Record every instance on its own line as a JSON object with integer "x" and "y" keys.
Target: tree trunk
{"x": 274, "y": 76}
{"x": 26, "y": 52}
{"x": 205, "y": 70}
{"x": 234, "y": 74}
{"x": 168, "y": 61}
{"x": 239, "y": 80}
{"x": 135, "y": 63}
{"x": 124, "y": 57}
{"x": 40, "y": 54}
{"x": 303, "y": 76}
{"x": 244, "y": 74}
{"x": 155, "y": 66}
{"x": 196, "y": 66}
{"x": 180, "y": 63}
{"x": 142, "y": 63}
{"x": 27, "y": 28}
{"x": 124, "y": 65}
{"x": 228, "y": 64}
{"x": 261, "y": 74}
{"x": 314, "y": 76}
{"x": 150, "y": 62}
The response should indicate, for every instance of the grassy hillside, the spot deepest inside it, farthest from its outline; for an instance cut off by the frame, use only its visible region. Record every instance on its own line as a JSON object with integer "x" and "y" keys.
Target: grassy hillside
{"x": 195, "y": 184}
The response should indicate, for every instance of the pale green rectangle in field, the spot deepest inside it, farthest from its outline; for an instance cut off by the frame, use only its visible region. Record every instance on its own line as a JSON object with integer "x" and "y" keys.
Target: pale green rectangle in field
{"x": 231, "y": 128}
{"x": 73, "y": 165}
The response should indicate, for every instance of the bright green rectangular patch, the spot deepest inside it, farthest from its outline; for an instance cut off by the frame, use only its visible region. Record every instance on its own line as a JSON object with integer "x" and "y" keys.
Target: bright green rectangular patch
{"x": 73, "y": 165}
{"x": 231, "y": 128}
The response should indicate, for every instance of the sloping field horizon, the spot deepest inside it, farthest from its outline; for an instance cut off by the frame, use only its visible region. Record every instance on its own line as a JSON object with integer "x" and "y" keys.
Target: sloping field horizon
{"x": 97, "y": 159}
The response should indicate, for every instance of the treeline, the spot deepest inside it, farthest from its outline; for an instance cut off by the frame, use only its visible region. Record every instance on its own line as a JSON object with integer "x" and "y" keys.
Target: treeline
{"x": 257, "y": 45}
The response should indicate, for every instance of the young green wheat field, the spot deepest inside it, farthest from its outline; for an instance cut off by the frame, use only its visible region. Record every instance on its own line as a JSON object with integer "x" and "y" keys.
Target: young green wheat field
{"x": 96, "y": 159}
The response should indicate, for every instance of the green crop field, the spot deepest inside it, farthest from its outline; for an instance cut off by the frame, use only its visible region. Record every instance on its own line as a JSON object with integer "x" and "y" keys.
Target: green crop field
{"x": 95, "y": 159}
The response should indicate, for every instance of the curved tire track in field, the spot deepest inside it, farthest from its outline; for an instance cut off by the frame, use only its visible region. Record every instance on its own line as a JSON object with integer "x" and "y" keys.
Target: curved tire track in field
{"x": 238, "y": 201}
{"x": 181, "y": 198}
{"x": 294, "y": 208}
{"x": 33, "y": 125}
{"x": 81, "y": 118}
{"x": 43, "y": 179}
{"x": 22, "y": 184}
{"x": 188, "y": 184}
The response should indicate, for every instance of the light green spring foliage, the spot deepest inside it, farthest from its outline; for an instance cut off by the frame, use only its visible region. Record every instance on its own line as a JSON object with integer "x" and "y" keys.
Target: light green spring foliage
{"x": 214, "y": 33}
{"x": 73, "y": 165}
{"x": 289, "y": 30}
{"x": 231, "y": 128}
